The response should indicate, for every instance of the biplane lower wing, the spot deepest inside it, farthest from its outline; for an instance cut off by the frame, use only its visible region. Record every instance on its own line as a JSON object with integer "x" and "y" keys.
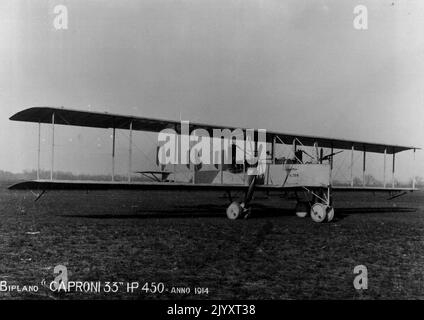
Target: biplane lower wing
{"x": 372, "y": 189}
{"x": 117, "y": 185}
{"x": 177, "y": 186}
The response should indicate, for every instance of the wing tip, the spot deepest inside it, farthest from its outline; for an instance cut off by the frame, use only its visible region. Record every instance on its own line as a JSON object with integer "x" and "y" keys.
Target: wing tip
{"x": 22, "y": 185}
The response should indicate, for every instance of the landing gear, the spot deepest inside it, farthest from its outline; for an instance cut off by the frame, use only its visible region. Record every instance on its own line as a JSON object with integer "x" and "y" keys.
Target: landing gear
{"x": 330, "y": 213}
{"x": 302, "y": 209}
{"x": 318, "y": 212}
{"x": 322, "y": 209}
{"x": 234, "y": 211}
{"x": 237, "y": 210}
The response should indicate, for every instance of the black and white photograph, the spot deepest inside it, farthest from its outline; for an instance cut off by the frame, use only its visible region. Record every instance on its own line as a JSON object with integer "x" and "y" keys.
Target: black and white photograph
{"x": 211, "y": 154}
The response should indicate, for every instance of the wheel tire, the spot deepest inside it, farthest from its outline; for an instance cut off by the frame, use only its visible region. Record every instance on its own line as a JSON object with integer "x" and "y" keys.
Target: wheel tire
{"x": 330, "y": 213}
{"x": 302, "y": 209}
{"x": 234, "y": 211}
{"x": 318, "y": 212}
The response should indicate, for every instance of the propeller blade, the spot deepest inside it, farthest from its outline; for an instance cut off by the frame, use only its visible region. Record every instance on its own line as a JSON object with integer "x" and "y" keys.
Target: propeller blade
{"x": 331, "y": 155}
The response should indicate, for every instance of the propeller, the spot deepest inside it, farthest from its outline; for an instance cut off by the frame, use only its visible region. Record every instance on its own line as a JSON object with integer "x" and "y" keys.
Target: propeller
{"x": 328, "y": 156}
{"x": 320, "y": 155}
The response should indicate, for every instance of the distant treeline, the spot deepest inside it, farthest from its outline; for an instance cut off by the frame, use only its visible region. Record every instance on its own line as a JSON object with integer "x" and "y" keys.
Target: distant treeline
{"x": 62, "y": 175}
{"x": 371, "y": 181}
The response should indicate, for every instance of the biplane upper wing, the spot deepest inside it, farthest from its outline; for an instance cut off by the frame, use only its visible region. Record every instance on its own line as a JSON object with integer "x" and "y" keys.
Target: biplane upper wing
{"x": 107, "y": 120}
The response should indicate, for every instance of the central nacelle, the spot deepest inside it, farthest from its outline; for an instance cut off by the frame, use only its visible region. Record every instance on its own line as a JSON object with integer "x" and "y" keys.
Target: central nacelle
{"x": 306, "y": 175}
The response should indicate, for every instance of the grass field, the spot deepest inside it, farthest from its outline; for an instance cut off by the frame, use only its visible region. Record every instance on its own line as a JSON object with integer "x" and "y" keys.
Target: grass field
{"x": 184, "y": 239}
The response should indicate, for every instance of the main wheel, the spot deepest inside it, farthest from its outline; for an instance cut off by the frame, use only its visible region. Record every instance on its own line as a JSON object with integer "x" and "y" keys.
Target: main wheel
{"x": 330, "y": 213}
{"x": 234, "y": 211}
{"x": 302, "y": 209}
{"x": 318, "y": 212}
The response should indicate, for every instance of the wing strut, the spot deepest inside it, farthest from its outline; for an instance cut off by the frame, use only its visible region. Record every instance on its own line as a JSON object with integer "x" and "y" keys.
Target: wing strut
{"x": 331, "y": 164}
{"x": 364, "y": 167}
{"x": 393, "y": 171}
{"x": 113, "y": 153}
{"x": 52, "y": 167}
{"x": 384, "y": 168}
{"x": 130, "y": 152}
{"x": 351, "y": 165}
{"x": 413, "y": 174}
{"x": 38, "y": 151}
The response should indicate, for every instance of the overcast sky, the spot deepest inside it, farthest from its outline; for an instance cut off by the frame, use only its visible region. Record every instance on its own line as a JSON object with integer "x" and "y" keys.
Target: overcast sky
{"x": 290, "y": 66}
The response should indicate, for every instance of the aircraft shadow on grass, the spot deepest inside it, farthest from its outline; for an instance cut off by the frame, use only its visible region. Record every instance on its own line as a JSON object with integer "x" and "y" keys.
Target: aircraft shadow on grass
{"x": 210, "y": 211}
{"x": 342, "y": 213}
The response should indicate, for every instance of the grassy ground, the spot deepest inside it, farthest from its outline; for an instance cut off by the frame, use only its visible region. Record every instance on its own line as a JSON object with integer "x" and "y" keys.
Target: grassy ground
{"x": 185, "y": 240}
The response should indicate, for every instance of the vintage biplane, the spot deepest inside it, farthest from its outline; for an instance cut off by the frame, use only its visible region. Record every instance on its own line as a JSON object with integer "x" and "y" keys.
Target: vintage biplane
{"x": 305, "y": 177}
